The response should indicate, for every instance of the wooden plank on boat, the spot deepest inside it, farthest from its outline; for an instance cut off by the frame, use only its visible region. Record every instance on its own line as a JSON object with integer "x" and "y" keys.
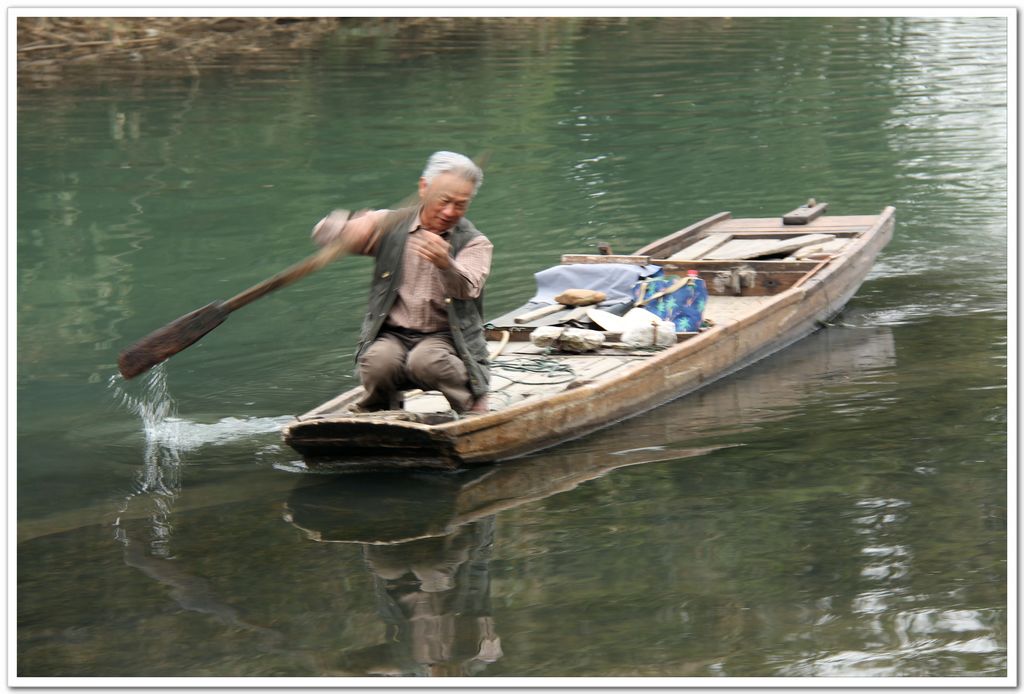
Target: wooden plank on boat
{"x": 538, "y": 313}
{"x": 569, "y": 259}
{"x": 696, "y": 251}
{"x": 516, "y": 321}
{"x": 793, "y": 232}
{"x": 761, "y": 223}
{"x": 805, "y": 213}
{"x": 715, "y": 265}
{"x": 742, "y": 249}
{"x": 592, "y": 368}
{"x": 726, "y": 309}
{"x": 673, "y": 242}
{"x": 830, "y": 247}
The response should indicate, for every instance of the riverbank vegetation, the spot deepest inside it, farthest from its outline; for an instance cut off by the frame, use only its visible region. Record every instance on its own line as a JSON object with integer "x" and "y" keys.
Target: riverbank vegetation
{"x": 52, "y": 51}
{"x": 49, "y": 48}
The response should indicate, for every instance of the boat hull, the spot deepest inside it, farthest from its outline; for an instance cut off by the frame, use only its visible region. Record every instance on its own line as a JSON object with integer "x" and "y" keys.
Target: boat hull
{"x": 537, "y": 423}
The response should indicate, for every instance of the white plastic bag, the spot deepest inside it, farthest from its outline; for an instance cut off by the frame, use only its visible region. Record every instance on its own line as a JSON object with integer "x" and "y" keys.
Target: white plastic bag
{"x": 641, "y": 328}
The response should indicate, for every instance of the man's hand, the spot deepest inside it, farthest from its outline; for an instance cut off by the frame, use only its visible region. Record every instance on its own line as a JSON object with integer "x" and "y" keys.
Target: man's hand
{"x": 432, "y": 248}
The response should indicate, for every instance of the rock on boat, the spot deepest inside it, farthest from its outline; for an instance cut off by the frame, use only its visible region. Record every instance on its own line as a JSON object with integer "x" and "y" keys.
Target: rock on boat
{"x": 771, "y": 281}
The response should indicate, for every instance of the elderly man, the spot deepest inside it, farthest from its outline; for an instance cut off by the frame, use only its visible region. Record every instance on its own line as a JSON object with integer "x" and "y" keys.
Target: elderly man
{"x": 424, "y": 324}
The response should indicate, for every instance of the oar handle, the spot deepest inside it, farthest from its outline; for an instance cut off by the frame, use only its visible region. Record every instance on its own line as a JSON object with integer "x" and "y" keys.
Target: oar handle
{"x": 325, "y": 255}
{"x": 287, "y": 276}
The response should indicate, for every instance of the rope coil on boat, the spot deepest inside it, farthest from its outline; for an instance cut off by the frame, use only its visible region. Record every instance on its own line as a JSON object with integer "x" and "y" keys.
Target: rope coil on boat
{"x": 536, "y": 365}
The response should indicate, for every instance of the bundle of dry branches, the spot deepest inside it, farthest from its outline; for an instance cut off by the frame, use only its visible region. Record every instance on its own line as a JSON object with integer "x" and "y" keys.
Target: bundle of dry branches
{"x": 47, "y": 44}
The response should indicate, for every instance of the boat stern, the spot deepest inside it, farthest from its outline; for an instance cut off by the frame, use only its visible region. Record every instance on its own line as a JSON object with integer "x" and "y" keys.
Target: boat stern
{"x": 368, "y": 442}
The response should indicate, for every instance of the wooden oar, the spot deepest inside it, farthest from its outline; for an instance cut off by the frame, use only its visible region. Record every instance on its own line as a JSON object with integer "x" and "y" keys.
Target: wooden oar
{"x": 187, "y": 330}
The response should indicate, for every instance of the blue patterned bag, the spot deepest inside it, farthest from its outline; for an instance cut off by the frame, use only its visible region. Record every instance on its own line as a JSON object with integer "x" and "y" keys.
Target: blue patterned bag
{"x": 679, "y": 300}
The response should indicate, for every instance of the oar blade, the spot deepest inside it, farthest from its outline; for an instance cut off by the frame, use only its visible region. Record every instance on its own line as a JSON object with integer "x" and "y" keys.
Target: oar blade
{"x": 170, "y": 339}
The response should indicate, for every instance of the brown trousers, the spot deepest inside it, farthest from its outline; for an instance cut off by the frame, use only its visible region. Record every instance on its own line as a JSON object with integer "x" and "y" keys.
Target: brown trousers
{"x": 399, "y": 361}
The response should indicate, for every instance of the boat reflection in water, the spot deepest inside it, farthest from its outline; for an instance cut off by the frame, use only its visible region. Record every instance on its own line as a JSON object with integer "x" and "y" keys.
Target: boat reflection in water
{"x": 427, "y": 536}
{"x": 427, "y": 540}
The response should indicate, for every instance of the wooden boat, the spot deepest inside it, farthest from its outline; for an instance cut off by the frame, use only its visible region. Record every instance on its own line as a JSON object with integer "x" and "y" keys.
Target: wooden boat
{"x": 380, "y": 508}
{"x": 771, "y": 281}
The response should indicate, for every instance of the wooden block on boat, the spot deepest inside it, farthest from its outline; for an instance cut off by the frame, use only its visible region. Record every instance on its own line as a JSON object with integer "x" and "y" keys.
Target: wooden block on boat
{"x": 804, "y": 214}
{"x": 742, "y": 249}
{"x": 517, "y": 333}
{"x": 697, "y": 250}
{"x": 570, "y": 259}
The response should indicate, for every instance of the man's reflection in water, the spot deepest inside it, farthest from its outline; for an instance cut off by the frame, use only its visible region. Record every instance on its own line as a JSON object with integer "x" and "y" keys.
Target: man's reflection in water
{"x": 434, "y": 595}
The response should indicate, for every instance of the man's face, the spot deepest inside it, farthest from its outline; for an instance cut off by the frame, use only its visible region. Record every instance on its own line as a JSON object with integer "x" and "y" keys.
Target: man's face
{"x": 445, "y": 201}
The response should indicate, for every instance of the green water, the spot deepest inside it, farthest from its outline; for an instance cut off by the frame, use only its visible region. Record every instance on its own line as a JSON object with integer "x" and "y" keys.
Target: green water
{"x": 839, "y": 509}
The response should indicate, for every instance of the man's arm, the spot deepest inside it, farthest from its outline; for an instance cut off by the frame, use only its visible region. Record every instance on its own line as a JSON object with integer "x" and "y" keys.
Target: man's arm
{"x": 466, "y": 273}
{"x": 360, "y": 233}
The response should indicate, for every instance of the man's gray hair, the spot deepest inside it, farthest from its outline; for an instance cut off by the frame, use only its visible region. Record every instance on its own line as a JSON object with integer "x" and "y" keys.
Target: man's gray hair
{"x": 453, "y": 163}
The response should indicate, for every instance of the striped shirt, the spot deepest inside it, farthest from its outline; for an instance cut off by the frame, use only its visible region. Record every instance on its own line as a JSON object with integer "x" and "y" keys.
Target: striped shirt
{"x": 425, "y": 290}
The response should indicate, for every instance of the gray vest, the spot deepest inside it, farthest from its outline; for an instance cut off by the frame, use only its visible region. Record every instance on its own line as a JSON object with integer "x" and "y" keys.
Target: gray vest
{"x": 465, "y": 316}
